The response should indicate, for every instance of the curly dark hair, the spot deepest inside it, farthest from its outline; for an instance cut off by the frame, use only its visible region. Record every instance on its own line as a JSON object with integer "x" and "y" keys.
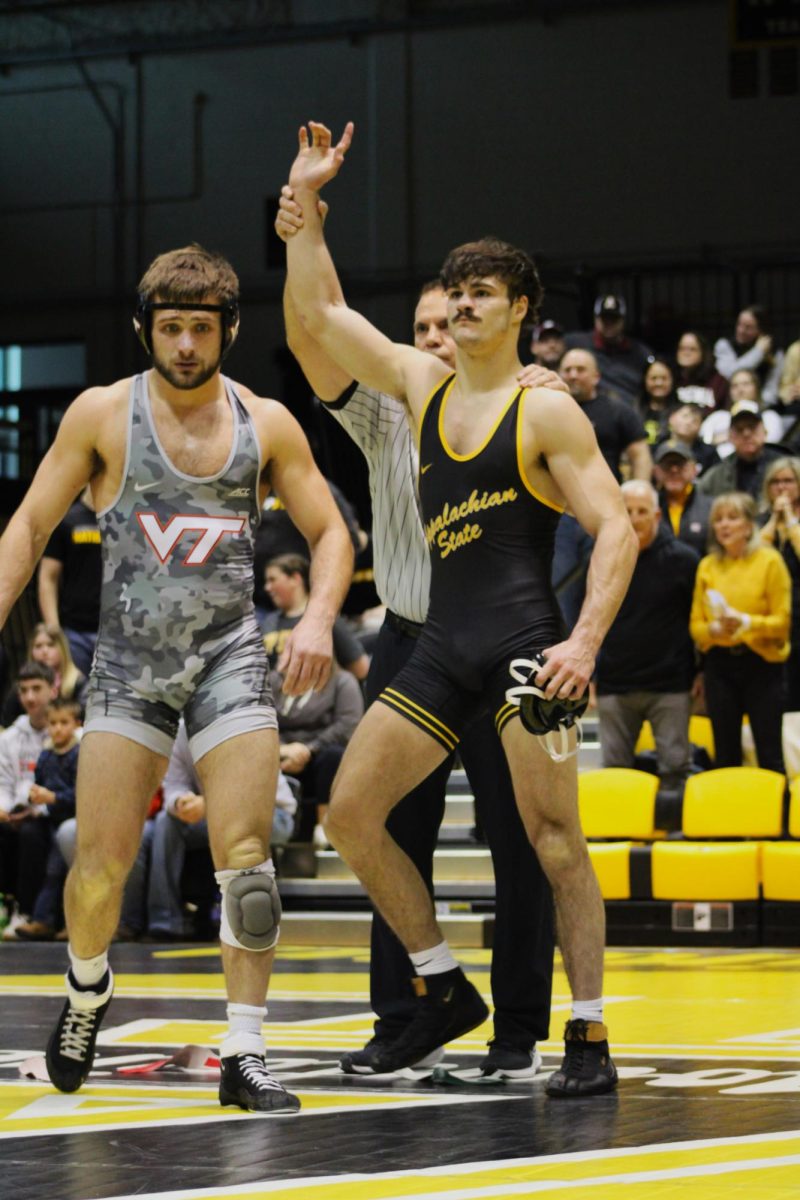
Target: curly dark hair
{"x": 491, "y": 256}
{"x": 189, "y": 274}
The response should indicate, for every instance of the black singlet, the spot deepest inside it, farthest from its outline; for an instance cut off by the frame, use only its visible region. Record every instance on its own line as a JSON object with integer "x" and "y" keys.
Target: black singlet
{"x": 490, "y": 536}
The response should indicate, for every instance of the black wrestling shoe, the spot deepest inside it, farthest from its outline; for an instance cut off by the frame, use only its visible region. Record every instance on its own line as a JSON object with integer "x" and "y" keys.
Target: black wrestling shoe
{"x": 70, "y": 1051}
{"x": 245, "y": 1080}
{"x": 360, "y": 1062}
{"x": 505, "y": 1061}
{"x": 586, "y": 1069}
{"x": 447, "y": 1007}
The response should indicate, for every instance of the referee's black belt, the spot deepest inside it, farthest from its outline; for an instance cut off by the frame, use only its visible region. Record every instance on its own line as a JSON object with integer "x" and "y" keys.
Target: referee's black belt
{"x": 411, "y": 629}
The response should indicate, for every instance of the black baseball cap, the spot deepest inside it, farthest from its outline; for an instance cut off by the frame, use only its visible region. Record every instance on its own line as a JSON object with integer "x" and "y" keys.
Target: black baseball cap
{"x": 673, "y": 447}
{"x": 610, "y": 306}
{"x": 548, "y": 329}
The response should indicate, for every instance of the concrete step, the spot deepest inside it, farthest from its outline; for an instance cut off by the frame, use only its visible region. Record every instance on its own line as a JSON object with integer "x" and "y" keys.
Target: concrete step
{"x": 464, "y": 863}
{"x": 353, "y": 928}
{"x": 459, "y": 810}
{"x": 348, "y": 893}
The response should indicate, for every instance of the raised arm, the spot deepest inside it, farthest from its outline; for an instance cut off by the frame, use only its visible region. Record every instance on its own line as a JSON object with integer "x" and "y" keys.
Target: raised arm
{"x": 64, "y": 471}
{"x": 565, "y": 437}
{"x": 306, "y": 660}
{"x": 355, "y": 345}
{"x": 327, "y": 380}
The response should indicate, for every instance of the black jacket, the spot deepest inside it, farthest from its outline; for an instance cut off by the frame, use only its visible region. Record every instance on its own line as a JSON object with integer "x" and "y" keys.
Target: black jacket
{"x": 648, "y": 648}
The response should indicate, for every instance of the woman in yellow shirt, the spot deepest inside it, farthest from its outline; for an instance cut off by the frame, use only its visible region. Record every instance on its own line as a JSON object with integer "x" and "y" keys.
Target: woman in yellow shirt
{"x": 740, "y": 618}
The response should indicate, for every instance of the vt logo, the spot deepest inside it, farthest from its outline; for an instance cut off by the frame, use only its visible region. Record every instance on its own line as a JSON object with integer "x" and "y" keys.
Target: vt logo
{"x": 164, "y": 538}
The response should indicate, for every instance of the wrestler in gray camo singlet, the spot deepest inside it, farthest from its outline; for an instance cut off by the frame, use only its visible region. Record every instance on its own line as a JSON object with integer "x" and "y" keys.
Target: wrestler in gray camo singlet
{"x": 177, "y": 626}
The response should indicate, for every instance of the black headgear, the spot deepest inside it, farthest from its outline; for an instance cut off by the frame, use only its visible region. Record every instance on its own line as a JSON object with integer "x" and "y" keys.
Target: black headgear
{"x": 548, "y": 719}
{"x": 143, "y": 319}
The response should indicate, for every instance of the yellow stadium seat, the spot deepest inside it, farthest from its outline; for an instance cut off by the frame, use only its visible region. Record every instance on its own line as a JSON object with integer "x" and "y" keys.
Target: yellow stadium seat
{"x": 701, "y": 734}
{"x": 794, "y": 807}
{"x": 780, "y": 870}
{"x": 645, "y": 741}
{"x": 616, "y": 802}
{"x": 611, "y": 862}
{"x": 705, "y": 870}
{"x": 734, "y": 802}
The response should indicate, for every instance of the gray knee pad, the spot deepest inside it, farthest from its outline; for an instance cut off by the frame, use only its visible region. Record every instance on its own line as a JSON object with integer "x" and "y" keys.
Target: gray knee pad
{"x": 251, "y": 907}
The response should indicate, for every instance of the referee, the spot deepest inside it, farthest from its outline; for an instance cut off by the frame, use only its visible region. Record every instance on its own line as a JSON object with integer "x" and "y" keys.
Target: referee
{"x": 522, "y": 954}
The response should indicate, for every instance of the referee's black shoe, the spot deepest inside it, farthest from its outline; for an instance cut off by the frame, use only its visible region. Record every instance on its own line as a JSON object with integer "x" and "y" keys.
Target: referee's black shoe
{"x": 586, "y": 1069}
{"x": 70, "y": 1051}
{"x": 447, "y": 1007}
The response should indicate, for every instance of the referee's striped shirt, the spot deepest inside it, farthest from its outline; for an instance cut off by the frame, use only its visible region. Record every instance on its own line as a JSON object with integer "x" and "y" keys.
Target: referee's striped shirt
{"x": 379, "y": 426}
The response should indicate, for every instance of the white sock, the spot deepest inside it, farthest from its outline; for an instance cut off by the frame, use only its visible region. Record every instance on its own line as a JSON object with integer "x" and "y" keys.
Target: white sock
{"x": 244, "y": 1034}
{"x": 435, "y": 961}
{"x": 587, "y": 1010}
{"x": 88, "y": 971}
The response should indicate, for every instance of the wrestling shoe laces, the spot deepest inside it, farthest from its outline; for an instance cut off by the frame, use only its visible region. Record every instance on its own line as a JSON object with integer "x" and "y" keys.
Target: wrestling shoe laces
{"x": 255, "y": 1072}
{"x": 76, "y": 1033}
{"x": 586, "y": 1069}
{"x": 70, "y": 1050}
{"x": 246, "y": 1082}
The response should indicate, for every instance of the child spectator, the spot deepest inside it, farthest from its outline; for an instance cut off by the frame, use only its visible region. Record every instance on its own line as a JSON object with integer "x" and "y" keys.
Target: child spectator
{"x": 48, "y": 645}
{"x": 684, "y": 424}
{"x": 54, "y": 788}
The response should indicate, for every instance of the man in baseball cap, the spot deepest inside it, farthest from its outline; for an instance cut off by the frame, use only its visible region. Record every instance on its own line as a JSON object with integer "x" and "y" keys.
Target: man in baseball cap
{"x": 684, "y": 509}
{"x": 743, "y": 471}
{"x": 548, "y": 345}
{"x": 622, "y": 359}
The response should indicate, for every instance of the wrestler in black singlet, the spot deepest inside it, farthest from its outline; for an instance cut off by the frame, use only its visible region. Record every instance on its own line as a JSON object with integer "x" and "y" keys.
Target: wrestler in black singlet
{"x": 491, "y": 537}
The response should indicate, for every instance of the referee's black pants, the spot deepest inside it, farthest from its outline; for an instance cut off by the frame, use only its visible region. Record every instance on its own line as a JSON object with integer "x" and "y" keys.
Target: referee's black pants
{"x": 522, "y": 955}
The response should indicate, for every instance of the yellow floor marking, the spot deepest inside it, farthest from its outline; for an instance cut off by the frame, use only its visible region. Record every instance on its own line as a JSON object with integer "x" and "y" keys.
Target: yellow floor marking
{"x": 36, "y": 1108}
{"x": 660, "y": 1003}
{"x": 757, "y": 1168}
{"x": 327, "y": 985}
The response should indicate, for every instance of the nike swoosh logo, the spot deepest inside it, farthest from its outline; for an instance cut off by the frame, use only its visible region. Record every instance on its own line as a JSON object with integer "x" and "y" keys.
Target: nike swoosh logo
{"x": 143, "y": 487}
{"x": 427, "y": 467}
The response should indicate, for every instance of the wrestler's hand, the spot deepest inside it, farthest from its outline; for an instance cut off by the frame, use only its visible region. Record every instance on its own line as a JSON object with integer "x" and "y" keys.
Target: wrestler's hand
{"x": 307, "y": 657}
{"x": 569, "y": 667}
{"x": 318, "y": 161}
{"x": 533, "y": 376}
{"x": 290, "y": 214}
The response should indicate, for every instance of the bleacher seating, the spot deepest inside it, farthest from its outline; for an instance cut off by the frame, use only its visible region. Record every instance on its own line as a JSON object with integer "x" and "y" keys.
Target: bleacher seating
{"x": 703, "y": 871}
{"x": 741, "y": 802}
{"x": 615, "y": 802}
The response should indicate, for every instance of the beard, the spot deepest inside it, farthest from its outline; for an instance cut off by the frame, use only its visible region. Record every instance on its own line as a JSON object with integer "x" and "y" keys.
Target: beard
{"x": 186, "y": 381}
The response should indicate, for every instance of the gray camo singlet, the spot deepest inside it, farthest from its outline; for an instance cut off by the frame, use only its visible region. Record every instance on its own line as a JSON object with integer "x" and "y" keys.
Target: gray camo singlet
{"x": 177, "y": 560}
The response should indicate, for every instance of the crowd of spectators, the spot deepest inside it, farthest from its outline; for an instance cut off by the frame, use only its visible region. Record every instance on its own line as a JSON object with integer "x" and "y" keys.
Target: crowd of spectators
{"x": 705, "y": 443}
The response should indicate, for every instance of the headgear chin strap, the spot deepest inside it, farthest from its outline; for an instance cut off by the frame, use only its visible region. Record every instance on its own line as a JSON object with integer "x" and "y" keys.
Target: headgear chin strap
{"x": 143, "y": 319}
{"x": 549, "y": 720}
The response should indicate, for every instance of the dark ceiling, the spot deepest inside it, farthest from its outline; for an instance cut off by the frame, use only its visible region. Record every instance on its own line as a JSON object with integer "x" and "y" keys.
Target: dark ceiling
{"x": 36, "y": 31}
